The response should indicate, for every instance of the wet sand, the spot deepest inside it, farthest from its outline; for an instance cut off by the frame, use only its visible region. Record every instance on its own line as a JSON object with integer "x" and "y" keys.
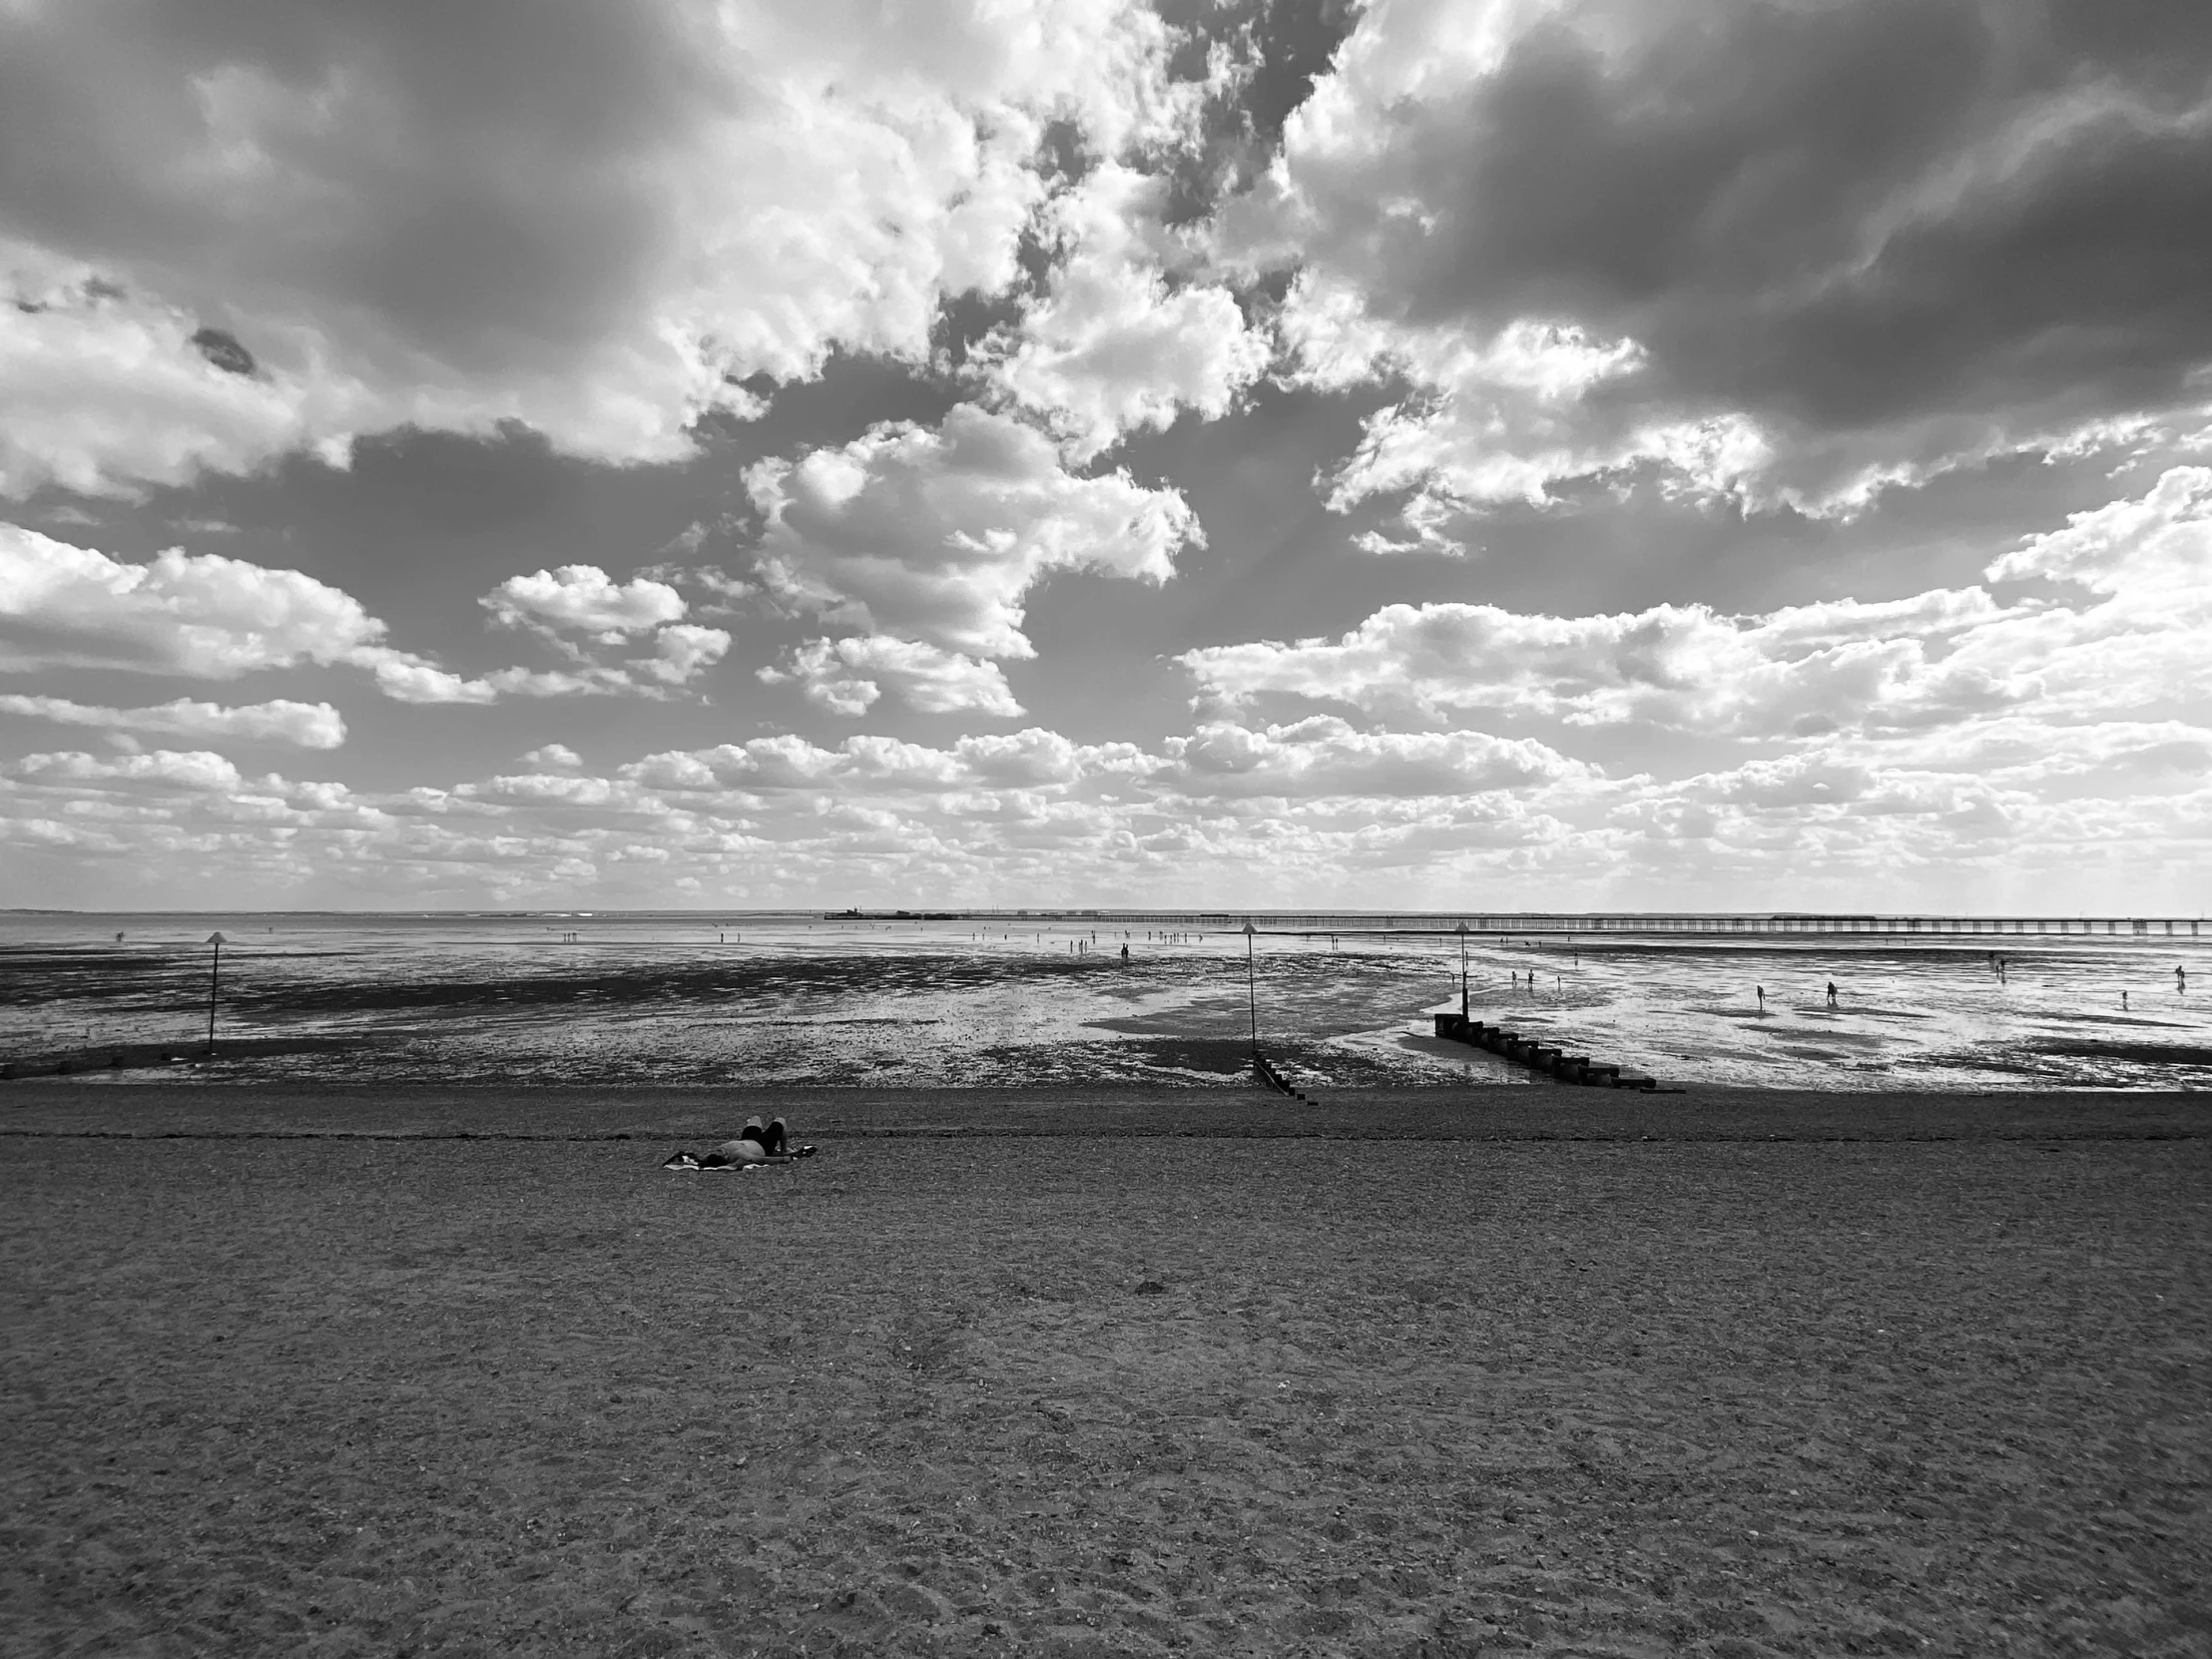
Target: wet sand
{"x": 1730, "y": 1373}
{"x": 391, "y": 1001}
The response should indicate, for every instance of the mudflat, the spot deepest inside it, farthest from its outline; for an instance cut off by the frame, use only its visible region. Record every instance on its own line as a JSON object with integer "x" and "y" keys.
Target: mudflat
{"x": 452, "y": 1372}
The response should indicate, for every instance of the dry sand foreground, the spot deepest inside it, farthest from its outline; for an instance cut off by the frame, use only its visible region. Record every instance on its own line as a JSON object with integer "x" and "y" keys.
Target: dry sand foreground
{"x": 1710, "y": 1392}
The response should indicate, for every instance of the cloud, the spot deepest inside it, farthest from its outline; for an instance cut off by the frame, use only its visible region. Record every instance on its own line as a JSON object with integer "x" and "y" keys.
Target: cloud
{"x": 312, "y": 222}
{"x": 198, "y": 770}
{"x": 405, "y": 678}
{"x": 681, "y": 652}
{"x": 554, "y": 754}
{"x": 847, "y": 676}
{"x": 586, "y": 599}
{"x": 2158, "y": 545}
{"x": 941, "y": 536}
{"x": 1029, "y": 758}
{"x": 1123, "y": 338}
{"x": 210, "y": 617}
{"x": 198, "y": 614}
{"x": 1805, "y": 670}
{"x": 1227, "y": 814}
{"x": 104, "y": 393}
{"x": 583, "y": 599}
{"x": 1805, "y": 250}
{"x": 1322, "y": 757}
{"x": 309, "y": 725}
{"x": 1498, "y": 417}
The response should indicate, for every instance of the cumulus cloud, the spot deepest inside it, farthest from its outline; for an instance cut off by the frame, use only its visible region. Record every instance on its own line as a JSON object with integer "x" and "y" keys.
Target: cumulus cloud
{"x": 1497, "y": 416}
{"x": 197, "y": 614}
{"x": 105, "y": 392}
{"x": 2155, "y": 546}
{"x": 586, "y": 599}
{"x": 1126, "y": 336}
{"x": 941, "y": 536}
{"x": 2126, "y": 635}
{"x": 595, "y": 223}
{"x": 199, "y": 771}
{"x": 210, "y": 617}
{"x": 309, "y": 725}
{"x": 1230, "y": 814}
{"x": 1323, "y": 757}
{"x": 847, "y": 676}
{"x": 556, "y": 755}
{"x": 1802, "y": 251}
{"x": 1319, "y": 759}
{"x": 583, "y": 600}
{"x": 1805, "y": 670}
{"x": 680, "y": 652}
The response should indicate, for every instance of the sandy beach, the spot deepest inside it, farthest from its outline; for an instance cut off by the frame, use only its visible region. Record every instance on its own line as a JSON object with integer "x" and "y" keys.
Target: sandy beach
{"x": 382, "y": 1371}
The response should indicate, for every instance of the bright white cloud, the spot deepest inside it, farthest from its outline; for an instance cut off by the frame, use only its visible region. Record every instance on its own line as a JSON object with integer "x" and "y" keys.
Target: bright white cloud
{"x": 1261, "y": 813}
{"x": 104, "y": 393}
{"x": 681, "y": 652}
{"x": 1123, "y": 339}
{"x": 1806, "y": 670}
{"x": 405, "y": 678}
{"x": 2154, "y": 548}
{"x": 198, "y": 770}
{"x": 1497, "y": 416}
{"x": 582, "y": 600}
{"x": 309, "y": 725}
{"x": 941, "y": 536}
{"x": 197, "y": 614}
{"x": 1322, "y": 757}
{"x": 593, "y": 222}
{"x": 586, "y": 599}
{"x": 214, "y": 618}
{"x": 847, "y": 677}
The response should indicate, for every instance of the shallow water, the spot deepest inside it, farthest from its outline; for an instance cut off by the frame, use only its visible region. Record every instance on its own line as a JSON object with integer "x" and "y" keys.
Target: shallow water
{"x": 797, "y": 999}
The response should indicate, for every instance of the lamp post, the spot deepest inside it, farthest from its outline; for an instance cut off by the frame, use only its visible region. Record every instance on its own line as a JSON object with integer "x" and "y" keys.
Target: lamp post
{"x": 1462, "y": 970}
{"x": 215, "y": 978}
{"x": 1252, "y": 988}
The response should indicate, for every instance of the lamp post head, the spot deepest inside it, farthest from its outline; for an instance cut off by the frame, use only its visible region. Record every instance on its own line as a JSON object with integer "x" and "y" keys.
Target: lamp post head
{"x": 216, "y": 938}
{"x": 1248, "y": 927}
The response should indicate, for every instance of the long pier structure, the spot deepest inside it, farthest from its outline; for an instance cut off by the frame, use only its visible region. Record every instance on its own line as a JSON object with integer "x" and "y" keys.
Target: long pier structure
{"x": 1531, "y": 922}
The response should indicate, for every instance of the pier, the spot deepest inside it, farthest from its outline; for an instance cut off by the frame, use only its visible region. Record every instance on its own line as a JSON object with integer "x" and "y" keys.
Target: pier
{"x": 1521, "y": 924}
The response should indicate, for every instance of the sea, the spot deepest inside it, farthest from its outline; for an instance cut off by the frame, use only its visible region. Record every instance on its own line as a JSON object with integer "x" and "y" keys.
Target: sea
{"x": 809, "y": 999}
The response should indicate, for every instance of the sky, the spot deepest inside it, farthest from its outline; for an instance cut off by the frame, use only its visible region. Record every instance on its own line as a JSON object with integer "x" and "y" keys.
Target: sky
{"x": 1484, "y": 454}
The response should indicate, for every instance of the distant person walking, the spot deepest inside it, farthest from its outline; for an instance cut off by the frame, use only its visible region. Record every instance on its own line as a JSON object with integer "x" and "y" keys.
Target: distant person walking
{"x": 2181, "y": 980}
{"x": 1761, "y": 993}
{"x": 1831, "y": 994}
{"x": 2123, "y": 1002}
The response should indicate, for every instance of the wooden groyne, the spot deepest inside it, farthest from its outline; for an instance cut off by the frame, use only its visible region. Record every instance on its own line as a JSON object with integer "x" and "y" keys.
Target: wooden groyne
{"x": 1270, "y": 1078}
{"x": 1538, "y": 1055}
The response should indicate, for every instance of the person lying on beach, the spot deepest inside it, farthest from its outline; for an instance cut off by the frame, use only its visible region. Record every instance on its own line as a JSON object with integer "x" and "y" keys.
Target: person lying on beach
{"x": 755, "y": 1145}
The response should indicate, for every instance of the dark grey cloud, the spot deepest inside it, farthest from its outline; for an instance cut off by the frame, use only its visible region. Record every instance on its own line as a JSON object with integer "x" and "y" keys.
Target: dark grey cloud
{"x": 472, "y": 175}
{"x": 222, "y": 349}
{"x": 1841, "y": 218}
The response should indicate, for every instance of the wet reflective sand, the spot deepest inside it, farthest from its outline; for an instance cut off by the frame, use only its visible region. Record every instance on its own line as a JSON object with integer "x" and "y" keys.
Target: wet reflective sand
{"x": 801, "y": 1001}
